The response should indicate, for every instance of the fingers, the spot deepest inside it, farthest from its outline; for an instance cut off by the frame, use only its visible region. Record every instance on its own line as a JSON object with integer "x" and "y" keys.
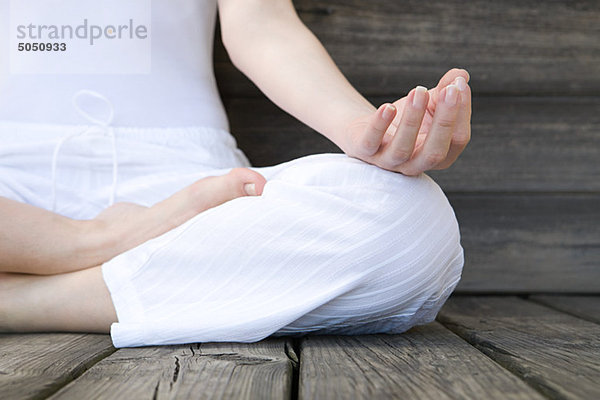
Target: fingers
{"x": 462, "y": 132}
{"x": 401, "y": 147}
{"x": 436, "y": 146}
{"x": 448, "y": 78}
{"x": 370, "y": 140}
{"x": 433, "y": 130}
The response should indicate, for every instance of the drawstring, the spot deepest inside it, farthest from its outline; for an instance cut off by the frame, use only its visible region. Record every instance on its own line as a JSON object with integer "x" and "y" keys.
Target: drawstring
{"x": 105, "y": 125}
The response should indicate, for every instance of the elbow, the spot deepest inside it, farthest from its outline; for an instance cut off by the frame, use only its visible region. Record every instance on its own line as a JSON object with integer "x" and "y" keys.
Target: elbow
{"x": 235, "y": 41}
{"x": 226, "y": 28}
{"x": 232, "y": 44}
{"x": 248, "y": 25}
{"x": 238, "y": 21}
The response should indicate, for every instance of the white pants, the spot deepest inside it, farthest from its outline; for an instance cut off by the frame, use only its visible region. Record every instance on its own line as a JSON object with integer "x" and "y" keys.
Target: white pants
{"x": 334, "y": 245}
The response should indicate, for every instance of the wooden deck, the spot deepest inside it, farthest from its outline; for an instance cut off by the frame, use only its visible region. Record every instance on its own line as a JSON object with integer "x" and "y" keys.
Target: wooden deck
{"x": 481, "y": 347}
{"x": 525, "y": 320}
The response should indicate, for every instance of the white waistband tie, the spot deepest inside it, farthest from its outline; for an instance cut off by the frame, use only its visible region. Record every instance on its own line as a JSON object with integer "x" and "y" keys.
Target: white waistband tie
{"x": 107, "y": 129}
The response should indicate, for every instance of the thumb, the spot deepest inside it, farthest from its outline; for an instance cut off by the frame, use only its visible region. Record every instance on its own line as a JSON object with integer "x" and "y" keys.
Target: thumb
{"x": 447, "y": 79}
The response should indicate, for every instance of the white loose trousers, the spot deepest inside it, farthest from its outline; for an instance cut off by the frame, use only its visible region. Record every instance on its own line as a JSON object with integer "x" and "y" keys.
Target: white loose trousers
{"x": 333, "y": 245}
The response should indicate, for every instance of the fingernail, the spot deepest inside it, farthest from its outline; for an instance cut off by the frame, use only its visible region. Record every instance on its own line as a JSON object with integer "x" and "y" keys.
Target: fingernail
{"x": 388, "y": 111}
{"x": 419, "y": 97}
{"x": 461, "y": 83}
{"x": 451, "y": 94}
{"x": 250, "y": 189}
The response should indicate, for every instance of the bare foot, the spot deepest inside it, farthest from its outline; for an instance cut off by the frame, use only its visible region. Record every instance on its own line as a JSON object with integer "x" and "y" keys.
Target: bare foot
{"x": 130, "y": 225}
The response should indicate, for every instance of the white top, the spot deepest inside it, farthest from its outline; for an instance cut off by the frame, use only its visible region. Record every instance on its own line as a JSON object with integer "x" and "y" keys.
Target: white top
{"x": 179, "y": 91}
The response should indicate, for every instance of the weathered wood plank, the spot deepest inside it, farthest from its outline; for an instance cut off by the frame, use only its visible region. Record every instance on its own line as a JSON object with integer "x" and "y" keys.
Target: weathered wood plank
{"x": 428, "y": 362}
{"x": 268, "y": 135}
{"x": 37, "y": 365}
{"x": 556, "y": 353}
{"x": 201, "y": 371}
{"x": 518, "y": 144}
{"x": 529, "y": 243}
{"x": 531, "y": 144}
{"x": 586, "y": 307}
{"x": 510, "y": 47}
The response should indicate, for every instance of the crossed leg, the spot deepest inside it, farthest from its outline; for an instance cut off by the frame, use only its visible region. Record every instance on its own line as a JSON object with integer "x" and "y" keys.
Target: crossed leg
{"x": 67, "y": 292}
{"x": 37, "y": 241}
{"x": 72, "y": 302}
{"x": 333, "y": 245}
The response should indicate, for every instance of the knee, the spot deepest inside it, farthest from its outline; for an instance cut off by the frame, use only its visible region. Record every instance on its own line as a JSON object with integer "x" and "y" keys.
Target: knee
{"x": 406, "y": 220}
{"x": 327, "y": 171}
{"x": 421, "y": 261}
{"x": 407, "y": 249}
{"x": 400, "y": 214}
{"x": 424, "y": 251}
{"x": 399, "y": 259}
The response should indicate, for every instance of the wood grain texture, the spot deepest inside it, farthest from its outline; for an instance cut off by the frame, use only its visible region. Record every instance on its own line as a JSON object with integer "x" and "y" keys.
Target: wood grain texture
{"x": 585, "y": 307}
{"x": 529, "y": 144}
{"x": 201, "y": 371}
{"x": 554, "y": 352}
{"x": 36, "y": 365}
{"x": 518, "y": 144}
{"x": 428, "y": 362}
{"x": 269, "y": 136}
{"x": 509, "y": 47}
{"x": 529, "y": 243}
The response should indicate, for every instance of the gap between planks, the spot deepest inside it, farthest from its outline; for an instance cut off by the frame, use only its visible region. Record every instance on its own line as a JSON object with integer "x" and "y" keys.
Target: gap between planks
{"x": 556, "y": 353}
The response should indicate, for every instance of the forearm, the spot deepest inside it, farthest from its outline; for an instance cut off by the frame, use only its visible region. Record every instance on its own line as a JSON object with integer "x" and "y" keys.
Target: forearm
{"x": 289, "y": 64}
{"x": 33, "y": 240}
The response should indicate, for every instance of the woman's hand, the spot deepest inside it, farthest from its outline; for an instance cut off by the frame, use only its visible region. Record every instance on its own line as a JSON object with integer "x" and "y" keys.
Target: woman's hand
{"x": 296, "y": 73}
{"x": 424, "y": 130}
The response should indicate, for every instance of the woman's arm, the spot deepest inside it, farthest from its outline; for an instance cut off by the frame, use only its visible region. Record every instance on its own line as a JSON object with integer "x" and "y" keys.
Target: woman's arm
{"x": 267, "y": 41}
{"x": 37, "y": 241}
{"x": 33, "y": 240}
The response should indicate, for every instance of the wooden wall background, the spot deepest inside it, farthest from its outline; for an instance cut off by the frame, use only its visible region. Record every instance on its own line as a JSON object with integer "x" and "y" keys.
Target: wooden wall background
{"x": 527, "y": 189}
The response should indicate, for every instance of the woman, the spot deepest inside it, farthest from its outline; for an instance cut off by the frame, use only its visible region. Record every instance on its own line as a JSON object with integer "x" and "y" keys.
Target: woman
{"x": 355, "y": 243}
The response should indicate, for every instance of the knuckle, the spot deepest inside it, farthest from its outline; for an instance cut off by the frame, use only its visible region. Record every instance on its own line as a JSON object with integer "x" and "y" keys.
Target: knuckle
{"x": 387, "y": 164}
{"x": 366, "y": 145}
{"x": 434, "y": 158}
{"x": 444, "y": 165}
{"x": 412, "y": 123}
{"x": 369, "y": 145}
{"x": 461, "y": 140}
{"x": 401, "y": 155}
{"x": 445, "y": 123}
